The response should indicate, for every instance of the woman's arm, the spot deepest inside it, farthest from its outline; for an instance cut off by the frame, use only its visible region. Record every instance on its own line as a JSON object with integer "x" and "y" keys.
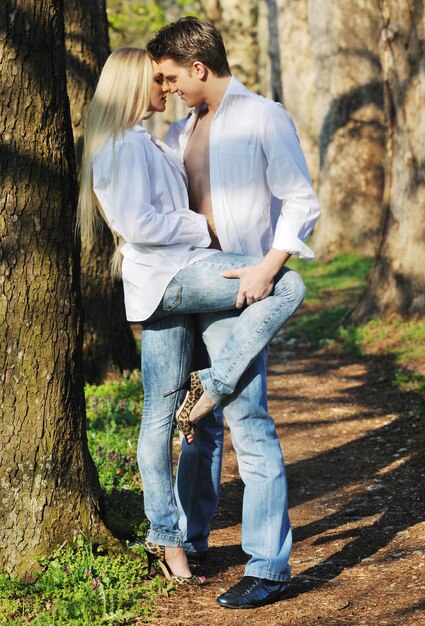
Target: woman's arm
{"x": 122, "y": 185}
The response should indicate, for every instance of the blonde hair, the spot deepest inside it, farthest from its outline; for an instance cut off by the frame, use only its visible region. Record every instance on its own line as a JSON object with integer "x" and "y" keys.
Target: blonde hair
{"x": 121, "y": 99}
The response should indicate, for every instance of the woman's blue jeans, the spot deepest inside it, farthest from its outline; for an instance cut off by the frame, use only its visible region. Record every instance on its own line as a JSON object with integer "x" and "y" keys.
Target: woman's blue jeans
{"x": 167, "y": 342}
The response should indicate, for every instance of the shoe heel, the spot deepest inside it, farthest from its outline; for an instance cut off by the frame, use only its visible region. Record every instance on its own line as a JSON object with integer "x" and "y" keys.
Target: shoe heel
{"x": 151, "y": 560}
{"x": 154, "y": 552}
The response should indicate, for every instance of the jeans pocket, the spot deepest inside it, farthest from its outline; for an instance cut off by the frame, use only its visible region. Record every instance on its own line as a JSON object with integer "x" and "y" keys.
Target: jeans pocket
{"x": 173, "y": 295}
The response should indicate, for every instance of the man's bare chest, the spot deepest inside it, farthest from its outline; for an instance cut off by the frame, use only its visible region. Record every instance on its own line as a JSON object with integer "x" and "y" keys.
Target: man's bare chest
{"x": 196, "y": 154}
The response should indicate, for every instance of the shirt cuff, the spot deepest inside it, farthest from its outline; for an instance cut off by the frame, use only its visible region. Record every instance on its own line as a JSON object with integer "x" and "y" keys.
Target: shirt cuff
{"x": 288, "y": 242}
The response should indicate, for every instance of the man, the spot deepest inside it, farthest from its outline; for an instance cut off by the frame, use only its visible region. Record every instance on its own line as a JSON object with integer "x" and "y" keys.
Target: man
{"x": 248, "y": 177}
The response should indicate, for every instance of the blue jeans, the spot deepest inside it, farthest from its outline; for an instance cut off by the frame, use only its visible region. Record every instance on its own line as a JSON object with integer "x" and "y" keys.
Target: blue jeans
{"x": 266, "y": 530}
{"x": 200, "y": 288}
{"x": 167, "y": 344}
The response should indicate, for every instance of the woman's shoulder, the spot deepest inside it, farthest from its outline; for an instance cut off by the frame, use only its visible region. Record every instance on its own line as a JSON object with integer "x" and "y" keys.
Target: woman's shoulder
{"x": 133, "y": 140}
{"x": 133, "y": 136}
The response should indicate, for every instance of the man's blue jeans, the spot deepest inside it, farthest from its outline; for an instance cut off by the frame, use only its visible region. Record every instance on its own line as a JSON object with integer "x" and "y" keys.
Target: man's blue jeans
{"x": 266, "y": 530}
{"x": 166, "y": 352}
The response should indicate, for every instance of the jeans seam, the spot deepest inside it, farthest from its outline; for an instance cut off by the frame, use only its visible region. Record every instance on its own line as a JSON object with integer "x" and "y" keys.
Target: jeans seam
{"x": 170, "y": 456}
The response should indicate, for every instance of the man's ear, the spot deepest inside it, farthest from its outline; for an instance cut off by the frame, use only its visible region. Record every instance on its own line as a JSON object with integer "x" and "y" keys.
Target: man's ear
{"x": 200, "y": 70}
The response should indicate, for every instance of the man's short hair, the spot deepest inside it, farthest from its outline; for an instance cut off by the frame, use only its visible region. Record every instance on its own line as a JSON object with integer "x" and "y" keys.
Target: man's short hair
{"x": 188, "y": 40}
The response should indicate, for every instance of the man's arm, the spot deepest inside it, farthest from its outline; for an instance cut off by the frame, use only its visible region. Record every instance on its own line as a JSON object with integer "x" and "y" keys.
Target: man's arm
{"x": 288, "y": 179}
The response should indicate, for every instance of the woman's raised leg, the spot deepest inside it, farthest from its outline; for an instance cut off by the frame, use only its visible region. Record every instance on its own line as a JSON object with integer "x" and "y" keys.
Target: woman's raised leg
{"x": 200, "y": 288}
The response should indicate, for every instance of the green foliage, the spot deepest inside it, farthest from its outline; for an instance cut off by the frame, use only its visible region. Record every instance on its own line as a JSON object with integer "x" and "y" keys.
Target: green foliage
{"x": 332, "y": 289}
{"x": 133, "y": 23}
{"x": 402, "y": 339}
{"x": 113, "y": 422}
{"x": 78, "y": 586}
{"x": 343, "y": 277}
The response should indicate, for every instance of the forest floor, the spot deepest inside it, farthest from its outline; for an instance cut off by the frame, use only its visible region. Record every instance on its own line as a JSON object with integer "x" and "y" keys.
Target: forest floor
{"x": 353, "y": 445}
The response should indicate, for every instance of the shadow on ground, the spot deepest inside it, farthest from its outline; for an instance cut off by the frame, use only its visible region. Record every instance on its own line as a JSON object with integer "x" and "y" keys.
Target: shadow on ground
{"x": 386, "y": 461}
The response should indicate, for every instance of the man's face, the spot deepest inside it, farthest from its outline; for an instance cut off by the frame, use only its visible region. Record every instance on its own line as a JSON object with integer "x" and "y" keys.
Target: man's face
{"x": 183, "y": 81}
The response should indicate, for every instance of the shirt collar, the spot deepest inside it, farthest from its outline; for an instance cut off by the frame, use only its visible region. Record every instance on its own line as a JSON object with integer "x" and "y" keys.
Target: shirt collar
{"x": 234, "y": 88}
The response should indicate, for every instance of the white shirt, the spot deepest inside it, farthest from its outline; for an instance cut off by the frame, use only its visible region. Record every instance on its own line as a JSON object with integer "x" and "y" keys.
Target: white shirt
{"x": 141, "y": 187}
{"x": 256, "y": 162}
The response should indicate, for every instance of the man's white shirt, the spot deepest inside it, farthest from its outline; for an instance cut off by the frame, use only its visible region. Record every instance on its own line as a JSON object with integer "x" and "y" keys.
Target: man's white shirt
{"x": 261, "y": 190}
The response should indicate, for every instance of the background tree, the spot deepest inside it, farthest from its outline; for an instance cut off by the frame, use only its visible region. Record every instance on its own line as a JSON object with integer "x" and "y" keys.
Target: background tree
{"x": 397, "y": 280}
{"x": 49, "y": 485}
{"x": 109, "y": 345}
{"x": 351, "y": 137}
{"x": 292, "y": 49}
{"x": 269, "y": 36}
{"x": 238, "y": 24}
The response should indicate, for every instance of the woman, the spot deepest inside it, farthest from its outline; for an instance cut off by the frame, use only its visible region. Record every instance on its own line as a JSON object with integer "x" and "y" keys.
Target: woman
{"x": 138, "y": 186}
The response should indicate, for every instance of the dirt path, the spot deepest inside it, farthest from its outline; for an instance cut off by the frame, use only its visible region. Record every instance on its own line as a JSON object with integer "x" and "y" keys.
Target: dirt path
{"x": 353, "y": 446}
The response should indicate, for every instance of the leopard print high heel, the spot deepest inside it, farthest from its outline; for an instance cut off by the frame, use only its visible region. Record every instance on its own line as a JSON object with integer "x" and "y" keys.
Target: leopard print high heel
{"x": 156, "y": 553}
{"x": 194, "y": 390}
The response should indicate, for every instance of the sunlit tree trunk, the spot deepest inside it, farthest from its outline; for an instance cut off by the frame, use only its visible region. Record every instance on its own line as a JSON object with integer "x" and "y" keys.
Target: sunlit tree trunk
{"x": 273, "y": 48}
{"x": 109, "y": 346}
{"x": 398, "y": 280}
{"x": 49, "y": 485}
{"x": 264, "y": 58}
{"x": 349, "y": 109}
{"x": 237, "y": 22}
{"x": 289, "y": 18}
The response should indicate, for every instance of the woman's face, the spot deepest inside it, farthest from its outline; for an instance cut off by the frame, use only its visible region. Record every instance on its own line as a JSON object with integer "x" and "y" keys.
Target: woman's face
{"x": 159, "y": 90}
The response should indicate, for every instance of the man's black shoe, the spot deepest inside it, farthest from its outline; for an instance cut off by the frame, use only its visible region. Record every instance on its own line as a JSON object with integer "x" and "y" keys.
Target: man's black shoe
{"x": 251, "y": 592}
{"x": 197, "y": 558}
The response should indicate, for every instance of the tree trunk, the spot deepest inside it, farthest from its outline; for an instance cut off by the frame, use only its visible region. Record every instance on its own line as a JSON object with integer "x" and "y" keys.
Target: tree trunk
{"x": 237, "y": 23}
{"x": 273, "y": 45}
{"x": 297, "y": 74}
{"x": 397, "y": 280}
{"x": 87, "y": 48}
{"x": 49, "y": 484}
{"x": 109, "y": 345}
{"x": 349, "y": 108}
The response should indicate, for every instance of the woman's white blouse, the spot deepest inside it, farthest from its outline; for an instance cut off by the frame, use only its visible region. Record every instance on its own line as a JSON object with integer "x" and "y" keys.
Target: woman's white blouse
{"x": 141, "y": 186}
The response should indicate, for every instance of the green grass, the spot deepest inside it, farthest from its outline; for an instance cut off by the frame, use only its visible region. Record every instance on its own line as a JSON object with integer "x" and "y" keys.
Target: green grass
{"x": 113, "y": 422}
{"x": 332, "y": 289}
{"x": 79, "y": 587}
{"x": 344, "y": 276}
{"x": 400, "y": 338}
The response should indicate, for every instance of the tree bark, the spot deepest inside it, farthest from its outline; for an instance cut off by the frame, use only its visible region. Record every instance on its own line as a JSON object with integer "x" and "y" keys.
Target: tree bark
{"x": 297, "y": 74}
{"x": 349, "y": 108}
{"x": 109, "y": 345}
{"x": 273, "y": 41}
{"x": 397, "y": 280}
{"x": 49, "y": 484}
{"x": 237, "y": 23}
